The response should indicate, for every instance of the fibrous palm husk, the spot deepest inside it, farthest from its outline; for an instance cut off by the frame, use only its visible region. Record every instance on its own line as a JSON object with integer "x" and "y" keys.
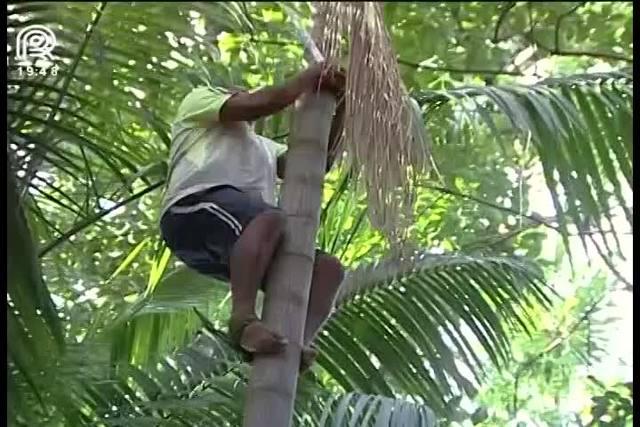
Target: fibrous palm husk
{"x": 384, "y": 134}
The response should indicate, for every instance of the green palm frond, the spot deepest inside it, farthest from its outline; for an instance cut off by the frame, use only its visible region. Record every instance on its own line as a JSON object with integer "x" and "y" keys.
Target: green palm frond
{"x": 419, "y": 317}
{"x": 34, "y": 330}
{"x": 95, "y": 130}
{"x": 354, "y": 409}
{"x": 581, "y": 128}
{"x": 92, "y": 124}
{"x": 344, "y": 228}
{"x": 400, "y": 327}
{"x": 167, "y": 318}
{"x": 99, "y": 129}
{"x": 202, "y": 383}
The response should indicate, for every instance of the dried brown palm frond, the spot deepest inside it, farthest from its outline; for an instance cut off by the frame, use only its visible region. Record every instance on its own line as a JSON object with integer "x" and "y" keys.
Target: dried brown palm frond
{"x": 384, "y": 142}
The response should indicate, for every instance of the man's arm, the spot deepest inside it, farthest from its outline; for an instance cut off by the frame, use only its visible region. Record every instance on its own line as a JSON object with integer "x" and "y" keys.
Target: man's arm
{"x": 204, "y": 106}
{"x": 337, "y": 125}
{"x": 245, "y": 106}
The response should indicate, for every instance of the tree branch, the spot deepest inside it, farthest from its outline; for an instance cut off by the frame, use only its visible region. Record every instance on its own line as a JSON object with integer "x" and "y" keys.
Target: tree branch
{"x": 401, "y": 61}
{"x": 559, "y": 52}
{"x": 62, "y": 93}
{"x": 90, "y": 221}
{"x": 486, "y": 243}
{"x": 561, "y": 18}
{"x": 459, "y": 70}
{"x": 556, "y": 49}
{"x": 532, "y": 22}
{"x": 601, "y": 55}
{"x": 501, "y": 18}
{"x": 605, "y": 258}
{"x": 553, "y": 344}
{"x": 281, "y": 136}
{"x": 534, "y": 217}
{"x": 537, "y": 218}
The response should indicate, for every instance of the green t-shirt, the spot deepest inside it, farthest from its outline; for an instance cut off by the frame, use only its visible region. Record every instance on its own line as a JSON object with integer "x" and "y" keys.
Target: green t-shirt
{"x": 207, "y": 153}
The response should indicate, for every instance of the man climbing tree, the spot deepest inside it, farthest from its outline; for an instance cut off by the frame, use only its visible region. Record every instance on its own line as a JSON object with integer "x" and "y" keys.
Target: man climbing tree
{"x": 219, "y": 214}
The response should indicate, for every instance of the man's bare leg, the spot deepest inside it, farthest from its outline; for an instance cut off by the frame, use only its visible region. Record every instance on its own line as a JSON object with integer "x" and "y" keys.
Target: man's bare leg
{"x": 250, "y": 259}
{"x": 327, "y": 277}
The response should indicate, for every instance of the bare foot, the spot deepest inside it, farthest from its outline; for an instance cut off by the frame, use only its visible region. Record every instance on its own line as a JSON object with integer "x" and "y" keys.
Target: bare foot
{"x": 257, "y": 338}
{"x": 307, "y": 358}
{"x": 253, "y": 336}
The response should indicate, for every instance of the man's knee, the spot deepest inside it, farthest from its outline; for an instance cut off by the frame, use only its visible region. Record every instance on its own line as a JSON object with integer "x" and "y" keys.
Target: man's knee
{"x": 330, "y": 268}
{"x": 273, "y": 223}
{"x": 261, "y": 235}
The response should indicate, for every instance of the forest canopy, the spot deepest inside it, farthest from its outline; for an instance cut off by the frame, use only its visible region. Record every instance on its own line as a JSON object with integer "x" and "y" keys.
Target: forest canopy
{"x": 520, "y": 243}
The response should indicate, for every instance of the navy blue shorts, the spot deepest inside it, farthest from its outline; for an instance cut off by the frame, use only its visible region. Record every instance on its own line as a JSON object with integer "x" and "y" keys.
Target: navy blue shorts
{"x": 202, "y": 228}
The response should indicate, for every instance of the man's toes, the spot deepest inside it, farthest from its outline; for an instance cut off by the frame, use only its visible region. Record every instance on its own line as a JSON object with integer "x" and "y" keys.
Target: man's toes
{"x": 237, "y": 325}
{"x": 307, "y": 357}
{"x": 257, "y": 338}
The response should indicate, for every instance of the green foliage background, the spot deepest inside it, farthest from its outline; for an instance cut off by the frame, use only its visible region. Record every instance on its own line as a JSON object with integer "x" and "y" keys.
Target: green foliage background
{"x": 465, "y": 331}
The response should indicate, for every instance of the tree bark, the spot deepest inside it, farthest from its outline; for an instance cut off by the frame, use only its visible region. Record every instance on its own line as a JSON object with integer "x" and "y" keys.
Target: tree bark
{"x": 272, "y": 386}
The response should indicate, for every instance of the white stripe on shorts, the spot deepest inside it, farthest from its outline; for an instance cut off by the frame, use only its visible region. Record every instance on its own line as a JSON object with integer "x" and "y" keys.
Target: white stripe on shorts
{"x": 221, "y": 213}
{"x": 214, "y": 209}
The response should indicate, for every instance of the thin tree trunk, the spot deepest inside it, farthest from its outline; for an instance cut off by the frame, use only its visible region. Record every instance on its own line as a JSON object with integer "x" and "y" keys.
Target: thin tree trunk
{"x": 272, "y": 386}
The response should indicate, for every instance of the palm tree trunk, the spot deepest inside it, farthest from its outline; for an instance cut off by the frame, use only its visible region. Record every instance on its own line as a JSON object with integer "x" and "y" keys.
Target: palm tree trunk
{"x": 272, "y": 386}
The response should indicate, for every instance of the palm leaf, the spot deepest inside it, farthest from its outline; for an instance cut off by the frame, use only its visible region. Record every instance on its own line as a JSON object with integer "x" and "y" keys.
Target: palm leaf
{"x": 86, "y": 125}
{"x": 63, "y": 123}
{"x": 581, "y": 129}
{"x": 429, "y": 313}
{"x": 400, "y": 327}
{"x": 32, "y": 315}
{"x": 421, "y": 316}
{"x": 354, "y": 409}
{"x": 200, "y": 384}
